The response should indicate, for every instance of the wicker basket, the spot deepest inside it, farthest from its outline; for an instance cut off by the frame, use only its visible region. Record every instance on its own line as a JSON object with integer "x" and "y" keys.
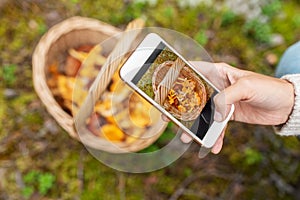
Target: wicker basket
{"x": 54, "y": 45}
{"x": 161, "y": 72}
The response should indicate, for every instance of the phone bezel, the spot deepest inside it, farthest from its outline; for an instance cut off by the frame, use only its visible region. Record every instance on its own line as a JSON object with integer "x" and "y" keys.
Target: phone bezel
{"x": 132, "y": 66}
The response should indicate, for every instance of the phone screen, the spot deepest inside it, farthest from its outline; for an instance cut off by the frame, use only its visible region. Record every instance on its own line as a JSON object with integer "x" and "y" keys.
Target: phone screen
{"x": 168, "y": 80}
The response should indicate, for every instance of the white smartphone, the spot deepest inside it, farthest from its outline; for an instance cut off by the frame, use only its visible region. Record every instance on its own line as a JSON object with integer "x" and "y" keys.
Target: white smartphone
{"x": 170, "y": 83}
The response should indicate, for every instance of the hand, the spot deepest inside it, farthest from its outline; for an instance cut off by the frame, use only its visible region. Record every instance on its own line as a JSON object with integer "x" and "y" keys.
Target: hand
{"x": 258, "y": 99}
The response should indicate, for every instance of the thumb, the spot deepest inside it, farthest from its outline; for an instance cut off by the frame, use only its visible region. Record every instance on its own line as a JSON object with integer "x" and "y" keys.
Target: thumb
{"x": 223, "y": 100}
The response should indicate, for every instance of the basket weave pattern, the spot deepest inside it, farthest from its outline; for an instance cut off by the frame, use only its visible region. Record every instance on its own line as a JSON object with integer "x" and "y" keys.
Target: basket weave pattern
{"x": 72, "y": 33}
{"x": 161, "y": 73}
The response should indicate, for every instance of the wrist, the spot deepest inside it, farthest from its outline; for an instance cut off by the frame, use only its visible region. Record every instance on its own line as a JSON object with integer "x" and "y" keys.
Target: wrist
{"x": 290, "y": 101}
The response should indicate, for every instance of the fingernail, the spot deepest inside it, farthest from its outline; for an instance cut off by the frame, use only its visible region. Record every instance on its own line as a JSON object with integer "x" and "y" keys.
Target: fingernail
{"x": 218, "y": 117}
{"x": 217, "y": 148}
{"x": 185, "y": 138}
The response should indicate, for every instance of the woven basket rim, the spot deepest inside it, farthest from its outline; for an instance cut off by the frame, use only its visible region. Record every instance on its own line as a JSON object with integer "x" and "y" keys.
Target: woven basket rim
{"x": 65, "y": 120}
{"x": 39, "y": 63}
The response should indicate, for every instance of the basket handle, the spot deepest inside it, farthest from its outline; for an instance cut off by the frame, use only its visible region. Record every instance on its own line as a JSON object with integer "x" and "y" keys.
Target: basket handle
{"x": 107, "y": 71}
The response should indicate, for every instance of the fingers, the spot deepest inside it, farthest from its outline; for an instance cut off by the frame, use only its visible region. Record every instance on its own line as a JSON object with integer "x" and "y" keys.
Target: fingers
{"x": 221, "y": 75}
{"x": 211, "y": 71}
{"x": 165, "y": 118}
{"x": 185, "y": 138}
{"x": 230, "y": 95}
{"x": 218, "y": 145}
{"x": 205, "y": 68}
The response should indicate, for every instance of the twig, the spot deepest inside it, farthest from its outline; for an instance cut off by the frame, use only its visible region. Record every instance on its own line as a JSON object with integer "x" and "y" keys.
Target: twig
{"x": 231, "y": 191}
{"x": 186, "y": 182}
{"x": 183, "y": 187}
{"x": 80, "y": 171}
{"x": 199, "y": 194}
{"x": 121, "y": 185}
{"x": 19, "y": 179}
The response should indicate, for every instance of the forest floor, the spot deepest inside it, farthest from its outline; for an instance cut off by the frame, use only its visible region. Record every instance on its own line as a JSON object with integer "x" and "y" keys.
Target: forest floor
{"x": 39, "y": 160}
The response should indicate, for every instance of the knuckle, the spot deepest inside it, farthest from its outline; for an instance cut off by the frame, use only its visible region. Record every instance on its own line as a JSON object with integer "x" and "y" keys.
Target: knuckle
{"x": 218, "y": 100}
{"x": 245, "y": 82}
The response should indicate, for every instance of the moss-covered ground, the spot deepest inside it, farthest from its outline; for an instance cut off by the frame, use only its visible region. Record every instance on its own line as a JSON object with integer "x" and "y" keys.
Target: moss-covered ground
{"x": 39, "y": 160}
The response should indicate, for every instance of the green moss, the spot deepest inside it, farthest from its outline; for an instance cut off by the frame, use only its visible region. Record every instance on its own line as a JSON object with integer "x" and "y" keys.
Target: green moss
{"x": 107, "y": 11}
{"x": 9, "y": 183}
{"x": 252, "y": 156}
{"x": 260, "y": 31}
{"x": 168, "y": 12}
{"x": 100, "y": 181}
{"x": 131, "y": 191}
{"x": 36, "y": 181}
{"x": 167, "y": 184}
{"x": 201, "y": 38}
{"x": 23, "y": 99}
{"x": 286, "y": 24}
{"x": 33, "y": 119}
{"x": 228, "y": 17}
{"x": 8, "y": 74}
{"x": 22, "y": 163}
{"x": 291, "y": 143}
{"x": 296, "y": 20}
{"x": 272, "y": 8}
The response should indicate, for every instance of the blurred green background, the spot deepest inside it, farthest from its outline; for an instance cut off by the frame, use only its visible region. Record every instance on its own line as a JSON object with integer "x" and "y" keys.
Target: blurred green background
{"x": 38, "y": 160}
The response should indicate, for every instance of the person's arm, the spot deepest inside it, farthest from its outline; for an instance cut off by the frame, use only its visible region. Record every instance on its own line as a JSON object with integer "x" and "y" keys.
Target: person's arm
{"x": 258, "y": 99}
{"x": 292, "y": 126}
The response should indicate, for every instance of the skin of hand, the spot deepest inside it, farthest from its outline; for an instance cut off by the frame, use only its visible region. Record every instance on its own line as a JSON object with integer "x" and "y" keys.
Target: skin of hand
{"x": 258, "y": 99}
